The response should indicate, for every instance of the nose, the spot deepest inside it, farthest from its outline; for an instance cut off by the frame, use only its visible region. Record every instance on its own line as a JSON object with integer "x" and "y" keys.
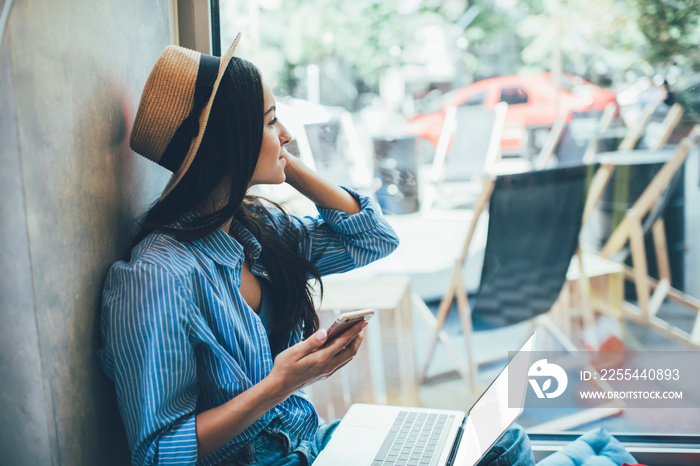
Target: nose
{"x": 285, "y": 136}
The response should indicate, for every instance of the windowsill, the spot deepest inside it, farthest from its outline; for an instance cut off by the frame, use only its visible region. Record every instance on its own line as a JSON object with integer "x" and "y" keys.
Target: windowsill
{"x": 666, "y": 449}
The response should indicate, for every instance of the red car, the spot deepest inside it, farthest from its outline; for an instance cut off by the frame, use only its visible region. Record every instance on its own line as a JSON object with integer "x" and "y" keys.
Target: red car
{"x": 532, "y": 103}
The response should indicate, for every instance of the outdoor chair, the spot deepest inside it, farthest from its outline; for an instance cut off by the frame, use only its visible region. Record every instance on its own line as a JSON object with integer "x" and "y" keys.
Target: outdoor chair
{"x": 545, "y": 158}
{"x": 571, "y": 135}
{"x": 635, "y": 132}
{"x": 627, "y": 239}
{"x": 469, "y": 145}
{"x": 534, "y": 220}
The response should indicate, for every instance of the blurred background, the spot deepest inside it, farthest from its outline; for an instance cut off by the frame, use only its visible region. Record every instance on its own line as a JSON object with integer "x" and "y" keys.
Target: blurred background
{"x": 366, "y": 88}
{"x": 395, "y": 64}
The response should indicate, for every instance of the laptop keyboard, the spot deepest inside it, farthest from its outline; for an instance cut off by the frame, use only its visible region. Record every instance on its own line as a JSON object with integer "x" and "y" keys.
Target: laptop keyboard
{"x": 415, "y": 439}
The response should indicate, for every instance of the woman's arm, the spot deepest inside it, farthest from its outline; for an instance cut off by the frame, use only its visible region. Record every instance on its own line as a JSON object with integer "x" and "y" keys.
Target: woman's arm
{"x": 321, "y": 192}
{"x": 148, "y": 352}
{"x": 350, "y": 231}
{"x": 294, "y": 368}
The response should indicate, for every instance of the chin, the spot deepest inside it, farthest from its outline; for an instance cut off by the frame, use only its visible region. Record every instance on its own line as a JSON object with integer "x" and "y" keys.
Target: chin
{"x": 281, "y": 179}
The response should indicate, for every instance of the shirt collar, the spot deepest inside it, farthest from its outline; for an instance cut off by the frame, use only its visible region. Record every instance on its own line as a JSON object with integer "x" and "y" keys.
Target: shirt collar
{"x": 250, "y": 242}
{"x": 217, "y": 245}
{"x": 221, "y": 248}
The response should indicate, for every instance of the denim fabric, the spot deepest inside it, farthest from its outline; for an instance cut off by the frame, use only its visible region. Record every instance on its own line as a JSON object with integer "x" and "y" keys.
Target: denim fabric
{"x": 275, "y": 446}
{"x": 179, "y": 338}
{"x": 513, "y": 449}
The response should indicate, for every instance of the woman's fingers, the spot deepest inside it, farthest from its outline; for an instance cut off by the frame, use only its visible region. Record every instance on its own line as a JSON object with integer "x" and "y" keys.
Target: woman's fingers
{"x": 339, "y": 367}
{"x": 310, "y": 360}
{"x": 345, "y": 338}
{"x": 346, "y": 355}
{"x": 316, "y": 341}
{"x": 311, "y": 344}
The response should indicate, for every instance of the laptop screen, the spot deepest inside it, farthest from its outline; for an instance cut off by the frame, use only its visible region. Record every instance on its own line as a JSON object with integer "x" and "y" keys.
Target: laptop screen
{"x": 491, "y": 415}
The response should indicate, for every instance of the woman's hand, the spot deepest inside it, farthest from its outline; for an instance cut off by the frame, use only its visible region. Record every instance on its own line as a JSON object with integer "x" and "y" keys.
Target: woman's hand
{"x": 294, "y": 368}
{"x": 309, "y": 361}
{"x": 318, "y": 190}
{"x": 292, "y": 166}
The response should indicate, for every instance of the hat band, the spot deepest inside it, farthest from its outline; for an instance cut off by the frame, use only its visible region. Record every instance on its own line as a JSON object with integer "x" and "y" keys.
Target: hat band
{"x": 179, "y": 145}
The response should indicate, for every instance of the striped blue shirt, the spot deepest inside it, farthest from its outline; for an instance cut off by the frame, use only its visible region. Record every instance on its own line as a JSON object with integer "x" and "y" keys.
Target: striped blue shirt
{"x": 179, "y": 339}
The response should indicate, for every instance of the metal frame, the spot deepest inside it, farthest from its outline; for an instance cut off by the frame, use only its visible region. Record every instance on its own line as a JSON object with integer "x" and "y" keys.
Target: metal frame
{"x": 194, "y": 24}
{"x": 215, "y": 24}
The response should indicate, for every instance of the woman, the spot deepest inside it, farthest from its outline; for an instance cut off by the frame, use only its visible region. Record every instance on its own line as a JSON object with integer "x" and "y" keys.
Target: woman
{"x": 209, "y": 330}
{"x": 217, "y": 286}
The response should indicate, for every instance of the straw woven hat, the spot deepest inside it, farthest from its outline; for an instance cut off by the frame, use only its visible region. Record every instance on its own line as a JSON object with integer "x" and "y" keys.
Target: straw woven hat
{"x": 175, "y": 106}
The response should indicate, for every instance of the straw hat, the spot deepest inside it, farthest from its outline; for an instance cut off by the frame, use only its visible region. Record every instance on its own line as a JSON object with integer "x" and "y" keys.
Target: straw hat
{"x": 175, "y": 106}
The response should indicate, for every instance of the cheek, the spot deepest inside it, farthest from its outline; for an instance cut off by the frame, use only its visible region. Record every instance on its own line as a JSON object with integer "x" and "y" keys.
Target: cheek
{"x": 269, "y": 146}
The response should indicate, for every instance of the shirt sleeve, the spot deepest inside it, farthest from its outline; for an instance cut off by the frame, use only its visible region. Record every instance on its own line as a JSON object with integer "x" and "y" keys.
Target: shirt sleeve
{"x": 336, "y": 241}
{"x": 148, "y": 354}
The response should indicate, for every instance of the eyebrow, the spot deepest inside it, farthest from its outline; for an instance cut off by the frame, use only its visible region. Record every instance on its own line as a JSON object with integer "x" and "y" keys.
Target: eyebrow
{"x": 271, "y": 109}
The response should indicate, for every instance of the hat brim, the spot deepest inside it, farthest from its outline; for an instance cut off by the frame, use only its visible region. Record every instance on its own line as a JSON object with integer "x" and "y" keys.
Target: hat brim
{"x": 203, "y": 118}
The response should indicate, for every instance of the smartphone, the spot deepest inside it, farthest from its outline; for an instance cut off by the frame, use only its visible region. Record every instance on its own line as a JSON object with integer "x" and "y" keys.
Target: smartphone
{"x": 347, "y": 320}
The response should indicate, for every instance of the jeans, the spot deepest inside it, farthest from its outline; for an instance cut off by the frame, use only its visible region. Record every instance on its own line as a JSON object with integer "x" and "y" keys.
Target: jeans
{"x": 275, "y": 446}
{"x": 513, "y": 449}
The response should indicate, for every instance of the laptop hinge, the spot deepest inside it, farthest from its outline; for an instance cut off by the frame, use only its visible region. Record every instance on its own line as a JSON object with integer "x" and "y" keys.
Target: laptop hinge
{"x": 455, "y": 445}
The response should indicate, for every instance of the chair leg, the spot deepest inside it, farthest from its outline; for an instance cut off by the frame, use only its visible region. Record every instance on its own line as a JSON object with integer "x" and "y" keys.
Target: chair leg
{"x": 639, "y": 262}
{"x": 545, "y": 322}
{"x": 443, "y": 310}
{"x": 430, "y": 319}
{"x": 661, "y": 249}
{"x": 695, "y": 334}
{"x": 465, "y": 316}
{"x": 634, "y": 313}
{"x": 673, "y": 294}
{"x": 584, "y": 295}
{"x": 561, "y": 310}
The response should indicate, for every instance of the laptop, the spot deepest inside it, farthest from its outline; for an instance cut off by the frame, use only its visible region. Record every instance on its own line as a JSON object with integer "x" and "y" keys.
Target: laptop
{"x": 380, "y": 435}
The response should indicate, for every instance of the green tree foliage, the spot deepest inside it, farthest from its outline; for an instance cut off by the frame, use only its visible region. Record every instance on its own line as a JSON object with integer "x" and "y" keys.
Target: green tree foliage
{"x": 612, "y": 34}
{"x": 671, "y": 30}
{"x": 367, "y": 37}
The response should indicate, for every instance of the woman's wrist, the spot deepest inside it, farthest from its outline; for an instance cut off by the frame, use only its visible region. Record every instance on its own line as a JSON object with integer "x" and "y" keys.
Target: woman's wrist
{"x": 293, "y": 171}
{"x": 275, "y": 388}
{"x": 321, "y": 192}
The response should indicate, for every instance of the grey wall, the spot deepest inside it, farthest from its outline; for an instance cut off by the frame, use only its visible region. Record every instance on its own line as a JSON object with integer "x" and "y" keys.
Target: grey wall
{"x": 71, "y": 73}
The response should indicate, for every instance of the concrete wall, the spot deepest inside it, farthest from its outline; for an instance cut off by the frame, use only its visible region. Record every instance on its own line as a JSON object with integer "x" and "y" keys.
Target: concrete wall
{"x": 71, "y": 73}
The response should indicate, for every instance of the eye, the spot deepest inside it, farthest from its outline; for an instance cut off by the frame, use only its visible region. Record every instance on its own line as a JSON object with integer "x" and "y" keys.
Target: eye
{"x": 273, "y": 121}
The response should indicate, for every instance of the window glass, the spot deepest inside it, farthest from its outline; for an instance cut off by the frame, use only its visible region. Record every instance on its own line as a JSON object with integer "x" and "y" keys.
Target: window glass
{"x": 368, "y": 84}
{"x": 476, "y": 99}
{"x": 513, "y": 95}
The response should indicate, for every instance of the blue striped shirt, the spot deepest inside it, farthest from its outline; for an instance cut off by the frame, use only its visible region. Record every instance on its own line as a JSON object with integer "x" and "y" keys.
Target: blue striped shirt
{"x": 179, "y": 339}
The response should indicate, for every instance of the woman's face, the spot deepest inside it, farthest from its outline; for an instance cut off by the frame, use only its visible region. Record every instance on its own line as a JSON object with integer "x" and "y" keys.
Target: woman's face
{"x": 271, "y": 162}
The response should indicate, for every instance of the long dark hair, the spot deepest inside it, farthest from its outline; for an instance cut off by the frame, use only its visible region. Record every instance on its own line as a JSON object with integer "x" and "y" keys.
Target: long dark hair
{"x": 230, "y": 147}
